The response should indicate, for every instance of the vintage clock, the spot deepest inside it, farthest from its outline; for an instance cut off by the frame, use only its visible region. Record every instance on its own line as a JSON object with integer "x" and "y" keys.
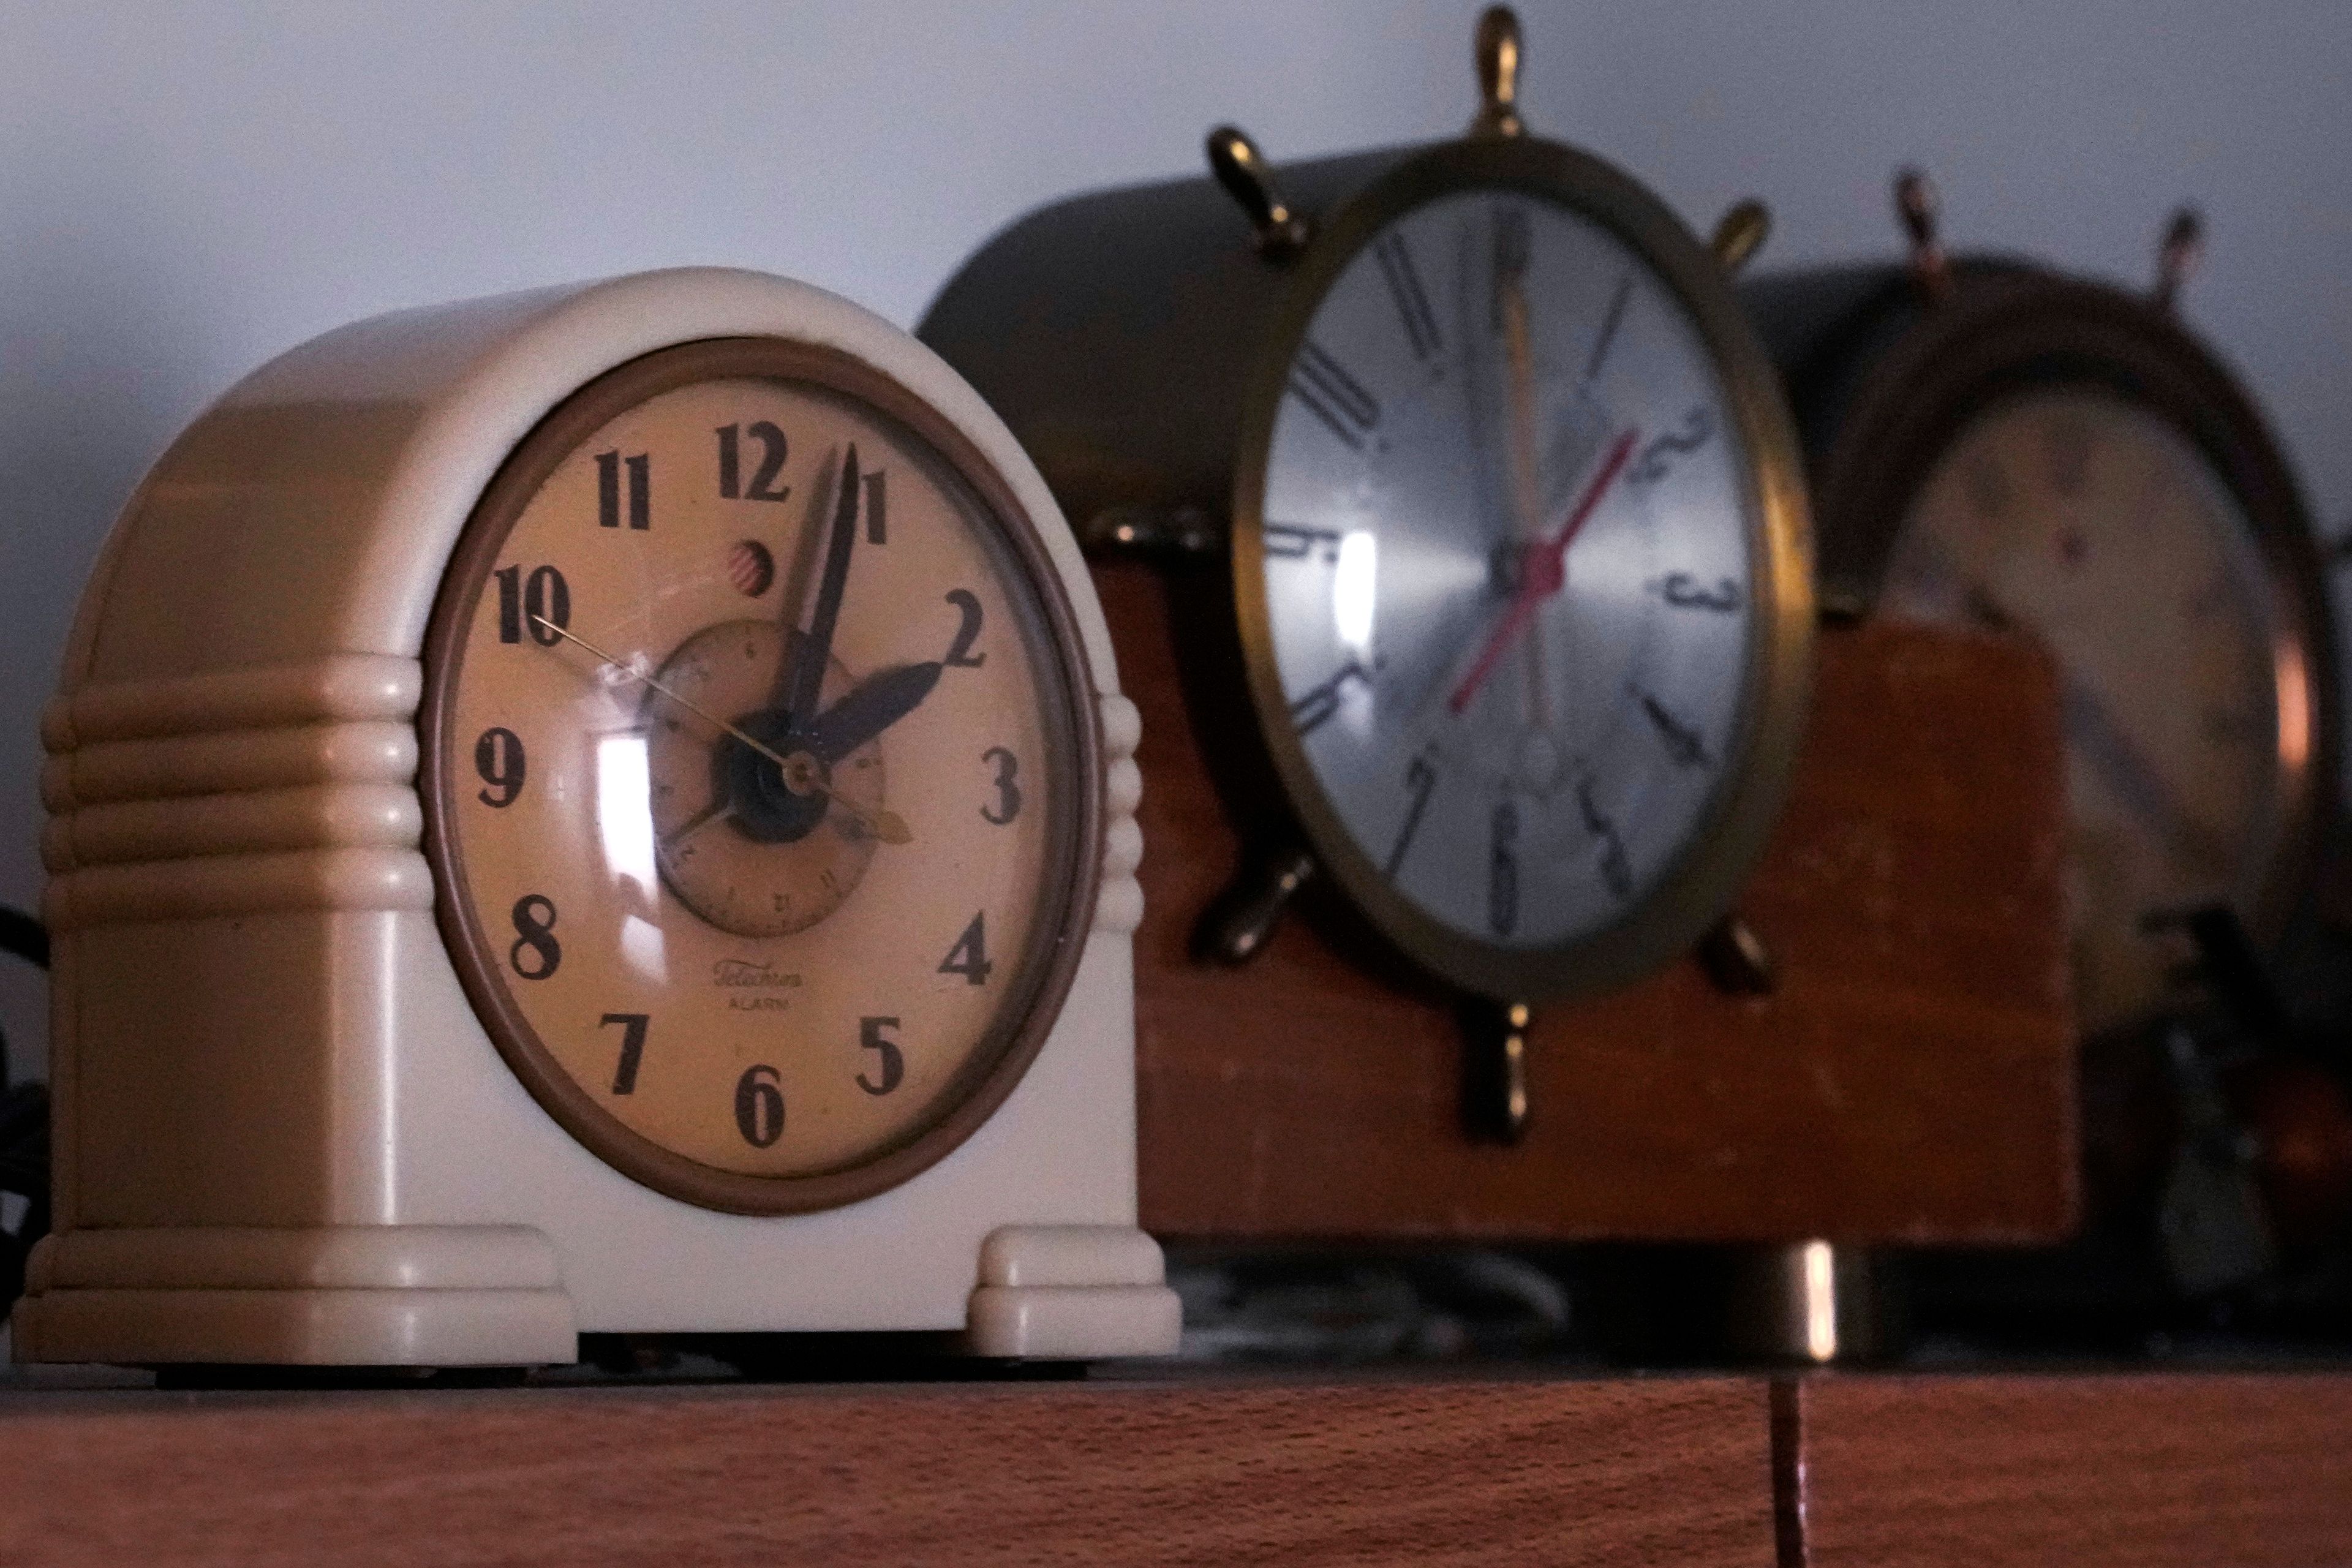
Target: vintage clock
{"x": 1995, "y": 444}
{"x": 601, "y": 809}
{"x": 1518, "y": 578}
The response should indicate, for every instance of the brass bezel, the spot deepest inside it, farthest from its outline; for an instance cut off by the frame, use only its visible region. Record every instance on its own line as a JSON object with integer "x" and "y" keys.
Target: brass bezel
{"x": 1700, "y": 885}
{"x": 2007, "y": 330}
{"x": 1074, "y": 739}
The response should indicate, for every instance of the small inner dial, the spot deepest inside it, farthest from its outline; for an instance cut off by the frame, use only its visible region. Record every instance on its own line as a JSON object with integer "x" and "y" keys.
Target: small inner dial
{"x": 2091, "y": 522}
{"x": 760, "y": 773}
{"x": 791, "y": 859}
{"x": 1508, "y": 526}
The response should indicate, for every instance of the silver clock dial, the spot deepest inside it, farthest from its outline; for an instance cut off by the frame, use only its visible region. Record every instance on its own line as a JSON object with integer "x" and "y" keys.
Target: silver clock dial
{"x": 1507, "y": 564}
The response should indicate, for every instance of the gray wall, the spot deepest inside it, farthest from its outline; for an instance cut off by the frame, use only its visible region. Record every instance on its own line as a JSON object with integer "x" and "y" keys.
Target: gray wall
{"x": 187, "y": 189}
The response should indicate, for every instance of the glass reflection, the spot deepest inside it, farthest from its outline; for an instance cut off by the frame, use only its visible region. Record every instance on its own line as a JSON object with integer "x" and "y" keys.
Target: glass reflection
{"x": 1354, "y": 583}
{"x": 623, "y": 810}
{"x": 643, "y": 949}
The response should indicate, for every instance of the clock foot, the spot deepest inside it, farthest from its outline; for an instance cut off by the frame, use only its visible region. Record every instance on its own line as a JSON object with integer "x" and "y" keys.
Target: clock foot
{"x": 1072, "y": 1293}
{"x": 343, "y": 1296}
{"x": 1494, "y": 1071}
{"x": 1807, "y": 1303}
{"x": 1736, "y": 959}
{"x": 1237, "y": 925}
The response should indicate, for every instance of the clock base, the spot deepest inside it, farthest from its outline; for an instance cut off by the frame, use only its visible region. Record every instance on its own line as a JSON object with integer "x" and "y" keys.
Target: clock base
{"x": 299, "y": 1328}
{"x": 326, "y": 1296}
{"x": 1072, "y": 1293}
{"x": 453, "y": 1296}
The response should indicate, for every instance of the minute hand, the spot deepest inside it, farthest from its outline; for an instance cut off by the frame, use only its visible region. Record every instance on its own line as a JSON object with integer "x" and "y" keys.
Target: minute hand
{"x": 805, "y": 678}
{"x": 1546, "y": 570}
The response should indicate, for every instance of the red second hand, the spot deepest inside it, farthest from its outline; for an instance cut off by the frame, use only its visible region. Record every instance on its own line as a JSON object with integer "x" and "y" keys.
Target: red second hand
{"x": 1541, "y": 583}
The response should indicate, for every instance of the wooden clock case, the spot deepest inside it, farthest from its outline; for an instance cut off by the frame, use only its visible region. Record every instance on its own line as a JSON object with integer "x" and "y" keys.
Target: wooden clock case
{"x": 281, "y": 1133}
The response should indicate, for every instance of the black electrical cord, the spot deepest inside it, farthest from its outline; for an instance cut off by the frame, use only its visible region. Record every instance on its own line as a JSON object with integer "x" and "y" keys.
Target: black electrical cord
{"x": 23, "y": 1126}
{"x": 23, "y": 935}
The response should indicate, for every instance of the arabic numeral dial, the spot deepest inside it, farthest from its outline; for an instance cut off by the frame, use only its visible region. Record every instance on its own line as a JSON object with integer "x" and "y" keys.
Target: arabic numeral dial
{"x": 758, "y": 769}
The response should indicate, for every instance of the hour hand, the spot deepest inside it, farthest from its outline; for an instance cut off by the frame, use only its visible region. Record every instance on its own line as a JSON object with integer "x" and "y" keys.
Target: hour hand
{"x": 870, "y": 710}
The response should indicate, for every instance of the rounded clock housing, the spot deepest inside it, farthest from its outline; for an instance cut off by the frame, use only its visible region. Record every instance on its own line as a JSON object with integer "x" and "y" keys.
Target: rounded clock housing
{"x": 762, "y": 775}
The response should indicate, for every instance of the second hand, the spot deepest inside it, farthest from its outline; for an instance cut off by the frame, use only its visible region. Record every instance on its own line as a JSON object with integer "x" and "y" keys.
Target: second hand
{"x": 799, "y": 771}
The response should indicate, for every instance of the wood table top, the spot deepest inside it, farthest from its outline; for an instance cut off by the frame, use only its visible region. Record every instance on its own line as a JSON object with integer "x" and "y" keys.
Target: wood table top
{"x": 1405, "y": 1465}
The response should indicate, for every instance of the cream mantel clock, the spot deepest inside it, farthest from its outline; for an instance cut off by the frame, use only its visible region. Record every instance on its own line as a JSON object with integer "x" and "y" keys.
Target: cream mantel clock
{"x": 601, "y": 809}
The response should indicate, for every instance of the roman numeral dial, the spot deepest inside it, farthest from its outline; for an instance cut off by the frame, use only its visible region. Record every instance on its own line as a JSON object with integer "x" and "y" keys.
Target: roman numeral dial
{"x": 1504, "y": 554}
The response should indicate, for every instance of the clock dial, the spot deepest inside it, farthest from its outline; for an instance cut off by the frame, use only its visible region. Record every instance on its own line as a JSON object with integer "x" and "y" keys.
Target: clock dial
{"x": 2093, "y": 523}
{"x": 761, "y": 774}
{"x": 1508, "y": 525}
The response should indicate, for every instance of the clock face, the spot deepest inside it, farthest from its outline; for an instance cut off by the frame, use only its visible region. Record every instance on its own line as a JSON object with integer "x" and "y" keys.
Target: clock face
{"x": 2091, "y": 522}
{"x": 1507, "y": 524}
{"x": 763, "y": 776}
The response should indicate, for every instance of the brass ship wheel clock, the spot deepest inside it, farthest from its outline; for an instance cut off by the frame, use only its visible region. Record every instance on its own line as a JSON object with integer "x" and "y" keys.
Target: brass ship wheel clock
{"x": 1995, "y": 444}
{"x": 1519, "y": 576}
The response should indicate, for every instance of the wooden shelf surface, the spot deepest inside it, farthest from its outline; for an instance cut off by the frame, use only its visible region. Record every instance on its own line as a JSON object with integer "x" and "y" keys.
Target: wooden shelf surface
{"x": 1893, "y": 1471}
{"x": 2196, "y": 1471}
{"x": 1622, "y": 1471}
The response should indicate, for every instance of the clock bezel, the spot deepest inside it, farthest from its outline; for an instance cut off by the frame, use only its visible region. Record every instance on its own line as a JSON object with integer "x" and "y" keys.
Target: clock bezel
{"x": 1070, "y": 880}
{"x": 1924, "y": 375}
{"x": 1730, "y": 834}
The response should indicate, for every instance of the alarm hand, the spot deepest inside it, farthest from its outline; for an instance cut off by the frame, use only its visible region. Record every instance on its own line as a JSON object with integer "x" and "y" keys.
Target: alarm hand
{"x": 800, "y": 772}
{"x": 633, "y": 673}
{"x": 711, "y": 813}
{"x": 1547, "y": 571}
{"x": 872, "y": 707}
{"x": 802, "y": 677}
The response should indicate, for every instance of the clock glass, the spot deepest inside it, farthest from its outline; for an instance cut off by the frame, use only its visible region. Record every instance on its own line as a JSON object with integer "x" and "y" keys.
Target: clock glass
{"x": 763, "y": 775}
{"x": 1506, "y": 566}
{"x": 2079, "y": 516}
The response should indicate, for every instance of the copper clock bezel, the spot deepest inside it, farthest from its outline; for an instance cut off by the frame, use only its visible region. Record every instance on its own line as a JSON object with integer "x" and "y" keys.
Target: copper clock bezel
{"x": 1048, "y": 965}
{"x": 1731, "y": 829}
{"x": 2011, "y": 329}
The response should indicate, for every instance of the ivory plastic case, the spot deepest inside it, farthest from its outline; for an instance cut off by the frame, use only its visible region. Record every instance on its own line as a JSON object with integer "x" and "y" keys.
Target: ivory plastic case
{"x": 281, "y": 1134}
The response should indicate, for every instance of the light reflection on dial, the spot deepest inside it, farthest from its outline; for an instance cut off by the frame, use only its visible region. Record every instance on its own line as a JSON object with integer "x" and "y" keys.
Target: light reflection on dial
{"x": 2089, "y": 522}
{"x": 1465, "y": 388}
